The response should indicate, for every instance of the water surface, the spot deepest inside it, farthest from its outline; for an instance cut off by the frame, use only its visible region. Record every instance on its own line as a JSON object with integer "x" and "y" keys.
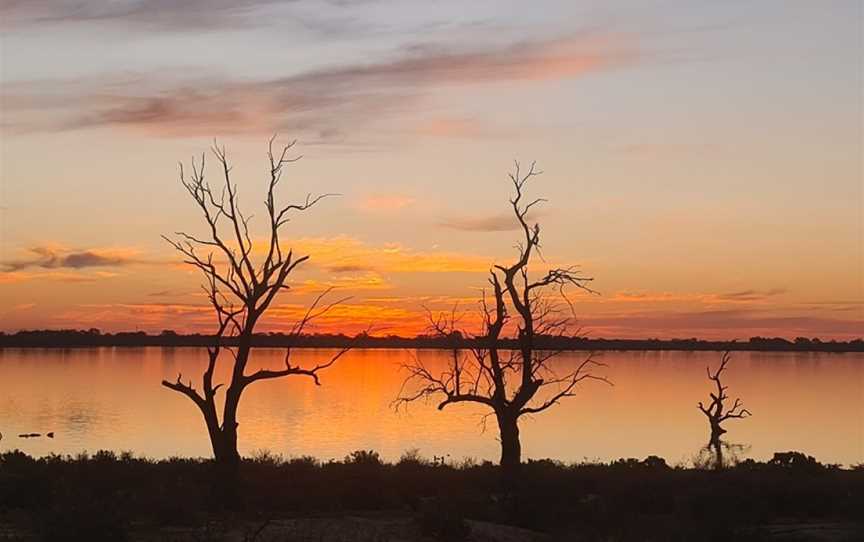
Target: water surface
{"x": 110, "y": 398}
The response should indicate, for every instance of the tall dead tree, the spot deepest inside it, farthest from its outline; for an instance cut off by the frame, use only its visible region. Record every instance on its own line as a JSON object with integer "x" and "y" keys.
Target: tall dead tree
{"x": 510, "y": 382}
{"x": 716, "y": 410}
{"x": 240, "y": 289}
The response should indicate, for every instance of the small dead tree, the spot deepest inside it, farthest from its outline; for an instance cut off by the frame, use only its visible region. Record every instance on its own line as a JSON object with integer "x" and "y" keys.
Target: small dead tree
{"x": 240, "y": 290}
{"x": 716, "y": 410}
{"x": 507, "y": 381}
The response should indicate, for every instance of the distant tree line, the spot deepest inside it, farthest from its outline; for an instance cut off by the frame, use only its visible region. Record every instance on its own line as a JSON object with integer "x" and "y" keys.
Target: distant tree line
{"x": 94, "y": 337}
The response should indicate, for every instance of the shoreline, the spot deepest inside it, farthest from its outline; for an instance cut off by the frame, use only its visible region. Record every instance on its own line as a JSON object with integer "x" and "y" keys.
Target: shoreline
{"x": 330, "y": 347}
{"x": 431, "y": 348}
{"x": 64, "y": 340}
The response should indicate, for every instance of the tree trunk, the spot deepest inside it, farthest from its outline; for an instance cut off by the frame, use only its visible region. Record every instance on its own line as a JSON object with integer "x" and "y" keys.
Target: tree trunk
{"x": 716, "y": 431}
{"x": 226, "y": 459}
{"x": 225, "y": 490}
{"x": 716, "y": 443}
{"x": 511, "y": 448}
{"x": 228, "y": 455}
{"x": 717, "y": 446}
{"x": 224, "y": 444}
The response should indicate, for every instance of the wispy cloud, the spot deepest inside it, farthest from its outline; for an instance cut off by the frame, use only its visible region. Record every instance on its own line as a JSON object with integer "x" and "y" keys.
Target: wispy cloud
{"x": 751, "y": 295}
{"x": 491, "y": 223}
{"x": 348, "y": 268}
{"x": 743, "y": 296}
{"x": 721, "y": 324}
{"x": 321, "y": 103}
{"x": 386, "y": 203}
{"x": 14, "y": 277}
{"x": 170, "y": 293}
{"x": 177, "y": 16}
{"x": 836, "y": 306}
{"x": 57, "y": 258}
{"x": 152, "y": 14}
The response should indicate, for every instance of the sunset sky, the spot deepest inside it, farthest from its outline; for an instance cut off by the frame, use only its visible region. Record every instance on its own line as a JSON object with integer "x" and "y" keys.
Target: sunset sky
{"x": 702, "y": 159}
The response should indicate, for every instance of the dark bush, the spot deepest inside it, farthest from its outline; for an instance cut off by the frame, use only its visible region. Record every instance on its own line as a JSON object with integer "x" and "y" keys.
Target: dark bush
{"x": 104, "y": 494}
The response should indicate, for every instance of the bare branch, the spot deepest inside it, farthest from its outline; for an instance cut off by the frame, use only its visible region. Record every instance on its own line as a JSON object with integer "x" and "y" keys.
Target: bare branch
{"x": 239, "y": 288}
{"x": 491, "y": 373}
{"x": 186, "y": 389}
{"x": 265, "y": 374}
{"x": 715, "y": 409}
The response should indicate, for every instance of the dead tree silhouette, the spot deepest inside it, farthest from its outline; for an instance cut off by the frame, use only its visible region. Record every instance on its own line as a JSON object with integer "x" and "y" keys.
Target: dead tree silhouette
{"x": 240, "y": 290}
{"x": 715, "y": 410}
{"x": 508, "y": 381}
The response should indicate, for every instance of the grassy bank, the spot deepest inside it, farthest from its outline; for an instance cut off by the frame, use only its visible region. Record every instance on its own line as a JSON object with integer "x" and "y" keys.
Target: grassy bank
{"x": 111, "y": 497}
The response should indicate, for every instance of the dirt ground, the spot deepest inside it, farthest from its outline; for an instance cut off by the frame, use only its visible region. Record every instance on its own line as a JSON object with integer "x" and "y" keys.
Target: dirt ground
{"x": 382, "y": 529}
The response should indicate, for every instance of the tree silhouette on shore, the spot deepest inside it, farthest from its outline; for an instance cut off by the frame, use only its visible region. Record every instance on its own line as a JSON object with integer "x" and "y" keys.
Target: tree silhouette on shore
{"x": 240, "y": 290}
{"x": 716, "y": 412}
{"x": 508, "y": 381}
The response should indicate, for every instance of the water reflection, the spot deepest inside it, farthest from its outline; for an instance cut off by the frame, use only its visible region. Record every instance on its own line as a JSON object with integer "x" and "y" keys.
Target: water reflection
{"x": 111, "y": 398}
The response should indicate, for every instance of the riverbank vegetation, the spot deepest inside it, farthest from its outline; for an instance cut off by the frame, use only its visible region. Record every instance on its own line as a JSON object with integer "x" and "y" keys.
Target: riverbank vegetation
{"x": 120, "y": 497}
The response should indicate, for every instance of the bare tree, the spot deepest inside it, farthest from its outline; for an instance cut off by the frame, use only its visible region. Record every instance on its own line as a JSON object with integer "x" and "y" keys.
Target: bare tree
{"x": 716, "y": 410}
{"x": 240, "y": 290}
{"x": 507, "y": 381}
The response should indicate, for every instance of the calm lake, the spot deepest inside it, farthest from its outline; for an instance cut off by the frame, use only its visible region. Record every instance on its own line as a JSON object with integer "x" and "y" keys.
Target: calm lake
{"x": 110, "y": 398}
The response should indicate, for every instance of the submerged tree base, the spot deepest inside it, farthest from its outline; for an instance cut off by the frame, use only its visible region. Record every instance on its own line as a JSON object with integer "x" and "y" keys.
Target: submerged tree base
{"x": 109, "y": 497}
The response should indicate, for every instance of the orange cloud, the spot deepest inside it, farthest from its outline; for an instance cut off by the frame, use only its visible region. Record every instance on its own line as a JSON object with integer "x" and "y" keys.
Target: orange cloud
{"x": 386, "y": 203}
{"x": 737, "y": 323}
{"x": 13, "y": 277}
{"x": 367, "y": 281}
{"x": 344, "y": 318}
{"x": 131, "y": 316}
{"x": 406, "y": 316}
{"x": 158, "y": 309}
{"x": 743, "y": 296}
{"x": 383, "y": 315}
{"x": 343, "y": 252}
